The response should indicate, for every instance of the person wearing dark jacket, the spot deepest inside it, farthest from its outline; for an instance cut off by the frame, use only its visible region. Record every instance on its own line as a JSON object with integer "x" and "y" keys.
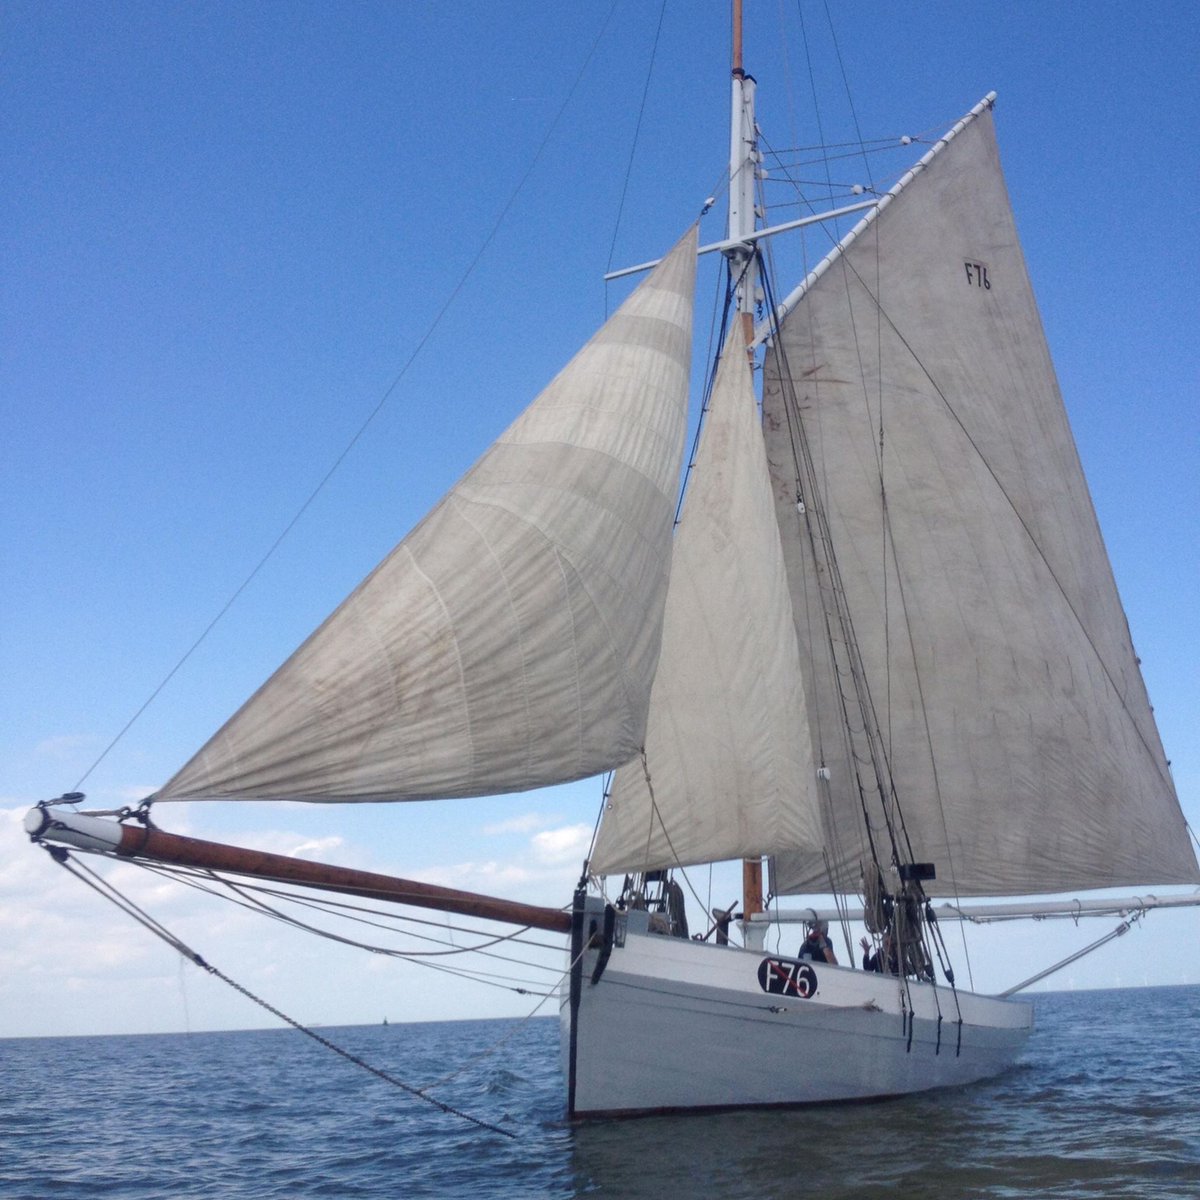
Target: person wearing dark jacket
{"x": 882, "y": 960}
{"x": 817, "y": 945}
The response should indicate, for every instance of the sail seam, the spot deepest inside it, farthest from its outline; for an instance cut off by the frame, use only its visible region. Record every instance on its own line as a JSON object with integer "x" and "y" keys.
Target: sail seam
{"x": 462, "y": 506}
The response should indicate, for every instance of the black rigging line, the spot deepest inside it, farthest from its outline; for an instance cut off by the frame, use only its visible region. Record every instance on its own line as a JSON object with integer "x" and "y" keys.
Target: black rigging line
{"x": 330, "y": 906}
{"x": 812, "y": 83}
{"x": 105, "y": 889}
{"x": 880, "y": 316}
{"x": 636, "y": 133}
{"x": 879, "y": 757}
{"x": 716, "y": 348}
{"x": 510, "y": 983}
{"x": 862, "y": 145}
{"x": 870, "y": 719}
{"x": 819, "y": 535}
{"x": 879, "y": 375}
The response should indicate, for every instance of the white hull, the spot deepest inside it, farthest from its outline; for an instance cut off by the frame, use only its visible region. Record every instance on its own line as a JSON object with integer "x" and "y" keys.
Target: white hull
{"x": 674, "y": 1025}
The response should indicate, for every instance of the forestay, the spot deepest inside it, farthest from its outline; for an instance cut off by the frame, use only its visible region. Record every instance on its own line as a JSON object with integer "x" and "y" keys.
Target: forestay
{"x": 997, "y": 654}
{"x": 728, "y": 769}
{"x": 510, "y": 640}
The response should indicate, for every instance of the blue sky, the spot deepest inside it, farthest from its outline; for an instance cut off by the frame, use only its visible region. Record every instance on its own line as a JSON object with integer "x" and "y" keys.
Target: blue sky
{"x": 230, "y": 229}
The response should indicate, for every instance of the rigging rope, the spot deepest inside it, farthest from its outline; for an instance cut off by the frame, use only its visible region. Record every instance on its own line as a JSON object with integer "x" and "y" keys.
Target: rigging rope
{"x": 418, "y": 957}
{"x": 878, "y": 749}
{"x": 662, "y": 12}
{"x": 106, "y": 889}
{"x": 812, "y": 83}
{"x": 655, "y": 814}
{"x": 887, "y": 538}
{"x": 821, "y": 548}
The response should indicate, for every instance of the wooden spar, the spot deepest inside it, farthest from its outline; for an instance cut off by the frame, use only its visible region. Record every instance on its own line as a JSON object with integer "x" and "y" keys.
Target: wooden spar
{"x": 738, "y": 72}
{"x": 141, "y": 842}
{"x": 752, "y": 887}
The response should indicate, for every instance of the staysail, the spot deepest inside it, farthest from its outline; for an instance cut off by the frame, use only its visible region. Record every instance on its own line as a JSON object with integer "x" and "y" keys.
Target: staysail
{"x": 728, "y": 768}
{"x": 992, "y": 639}
{"x": 510, "y": 640}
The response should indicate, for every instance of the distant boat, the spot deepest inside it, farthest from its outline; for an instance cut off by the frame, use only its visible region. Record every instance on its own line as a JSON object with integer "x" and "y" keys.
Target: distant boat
{"x": 883, "y": 649}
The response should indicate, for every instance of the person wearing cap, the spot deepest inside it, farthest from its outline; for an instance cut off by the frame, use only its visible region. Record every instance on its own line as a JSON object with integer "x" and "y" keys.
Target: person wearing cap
{"x": 817, "y": 945}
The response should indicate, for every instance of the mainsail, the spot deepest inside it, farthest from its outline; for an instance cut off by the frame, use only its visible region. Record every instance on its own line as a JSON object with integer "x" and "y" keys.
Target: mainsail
{"x": 510, "y": 640}
{"x": 728, "y": 768}
{"x": 992, "y": 641}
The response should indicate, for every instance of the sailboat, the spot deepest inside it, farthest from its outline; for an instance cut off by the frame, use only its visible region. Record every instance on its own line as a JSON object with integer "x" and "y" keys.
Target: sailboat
{"x": 880, "y": 649}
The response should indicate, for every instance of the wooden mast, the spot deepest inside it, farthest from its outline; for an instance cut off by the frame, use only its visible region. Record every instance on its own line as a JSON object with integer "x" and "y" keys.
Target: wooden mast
{"x": 737, "y": 39}
{"x": 148, "y": 843}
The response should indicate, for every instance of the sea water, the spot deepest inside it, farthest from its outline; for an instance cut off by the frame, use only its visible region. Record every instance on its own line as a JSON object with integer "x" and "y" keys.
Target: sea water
{"x": 1104, "y": 1102}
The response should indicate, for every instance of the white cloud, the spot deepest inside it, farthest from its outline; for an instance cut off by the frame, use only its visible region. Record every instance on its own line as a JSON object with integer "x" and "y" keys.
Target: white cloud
{"x": 525, "y": 823}
{"x": 544, "y": 870}
{"x": 487, "y": 877}
{"x": 135, "y": 795}
{"x": 289, "y": 843}
{"x": 65, "y": 745}
{"x": 556, "y": 847}
{"x": 316, "y": 847}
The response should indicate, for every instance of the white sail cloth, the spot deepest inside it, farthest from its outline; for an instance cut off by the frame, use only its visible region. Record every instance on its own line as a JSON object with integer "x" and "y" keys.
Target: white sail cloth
{"x": 510, "y": 640}
{"x": 728, "y": 767}
{"x": 999, "y": 661}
